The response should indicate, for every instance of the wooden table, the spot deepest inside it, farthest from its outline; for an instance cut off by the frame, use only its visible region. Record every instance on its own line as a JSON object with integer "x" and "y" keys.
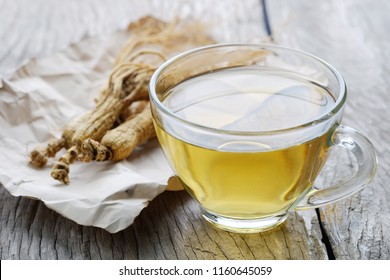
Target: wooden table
{"x": 353, "y": 35}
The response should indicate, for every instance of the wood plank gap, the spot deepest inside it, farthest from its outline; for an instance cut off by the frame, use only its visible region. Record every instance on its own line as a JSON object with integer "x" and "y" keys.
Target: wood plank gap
{"x": 325, "y": 238}
{"x": 267, "y": 22}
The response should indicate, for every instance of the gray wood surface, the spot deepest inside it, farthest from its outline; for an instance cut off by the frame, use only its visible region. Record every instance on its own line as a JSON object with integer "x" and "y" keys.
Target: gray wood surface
{"x": 351, "y": 35}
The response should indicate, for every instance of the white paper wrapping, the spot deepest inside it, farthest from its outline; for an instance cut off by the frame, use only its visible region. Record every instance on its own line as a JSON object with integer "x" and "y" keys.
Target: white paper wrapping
{"x": 36, "y": 103}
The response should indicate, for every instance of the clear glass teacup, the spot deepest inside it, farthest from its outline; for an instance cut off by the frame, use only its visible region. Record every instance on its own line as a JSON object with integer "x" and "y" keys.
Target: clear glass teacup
{"x": 248, "y": 127}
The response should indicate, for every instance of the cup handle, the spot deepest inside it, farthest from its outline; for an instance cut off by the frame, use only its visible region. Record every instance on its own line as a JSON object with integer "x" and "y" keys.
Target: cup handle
{"x": 367, "y": 163}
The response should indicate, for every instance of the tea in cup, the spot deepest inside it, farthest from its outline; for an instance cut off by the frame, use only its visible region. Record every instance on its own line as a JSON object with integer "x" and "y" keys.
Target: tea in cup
{"x": 247, "y": 128}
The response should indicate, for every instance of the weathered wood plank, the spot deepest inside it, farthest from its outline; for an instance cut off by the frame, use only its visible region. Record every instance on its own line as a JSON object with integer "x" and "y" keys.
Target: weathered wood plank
{"x": 171, "y": 226}
{"x": 29, "y": 30}
{"x": 37, "y": 29}
{"x": 176, "y": 221}
{"x": 353, "y": 36}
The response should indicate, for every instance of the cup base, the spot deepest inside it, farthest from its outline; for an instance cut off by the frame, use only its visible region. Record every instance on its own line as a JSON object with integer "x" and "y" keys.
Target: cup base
{"x": 244, "y": 226}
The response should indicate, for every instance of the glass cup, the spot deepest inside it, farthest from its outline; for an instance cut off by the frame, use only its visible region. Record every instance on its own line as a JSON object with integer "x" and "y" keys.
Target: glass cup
{"x": 248, "y": 127}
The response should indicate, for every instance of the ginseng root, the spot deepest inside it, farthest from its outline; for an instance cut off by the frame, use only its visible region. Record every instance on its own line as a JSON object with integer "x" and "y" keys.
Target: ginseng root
{"x": 102, "y": 133}
{"x": 39, "y": 156}
{"x": 128, "y": 83}
{"x": 62, "y": 165}
{"x": 118, "y": 143}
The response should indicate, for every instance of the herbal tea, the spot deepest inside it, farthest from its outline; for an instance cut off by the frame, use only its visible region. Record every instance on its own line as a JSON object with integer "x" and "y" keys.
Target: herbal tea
{"x": 243, "y": 180}
{"x": 247, "y": 128}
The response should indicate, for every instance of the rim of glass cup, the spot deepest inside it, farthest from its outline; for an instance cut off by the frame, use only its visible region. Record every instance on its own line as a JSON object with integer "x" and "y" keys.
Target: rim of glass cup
{"x": 320, "y": 119}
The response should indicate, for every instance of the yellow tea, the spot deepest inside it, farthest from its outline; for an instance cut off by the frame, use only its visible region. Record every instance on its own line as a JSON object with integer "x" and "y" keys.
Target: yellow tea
{"x": 247, "y": 128}
{"x": 245, "y": 179}
{"x": 245, "y": 184}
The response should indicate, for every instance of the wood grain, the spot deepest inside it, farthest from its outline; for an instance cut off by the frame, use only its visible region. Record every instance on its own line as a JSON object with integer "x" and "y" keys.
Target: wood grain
{"x": 353, "y": 36}
{"x": 349, "y": 34}
{"x": 171, "y": 227}
{"x": 32, "y": 30}
{"x": 40, "y": 28}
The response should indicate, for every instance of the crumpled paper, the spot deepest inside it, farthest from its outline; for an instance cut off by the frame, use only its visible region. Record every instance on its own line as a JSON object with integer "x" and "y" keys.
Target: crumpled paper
{"x": 36, "y": 103}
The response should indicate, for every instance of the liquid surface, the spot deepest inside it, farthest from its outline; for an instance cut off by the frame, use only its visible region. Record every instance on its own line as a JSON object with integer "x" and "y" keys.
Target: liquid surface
{"x": 249, "y": 99}
{"x": 241, "y": 184}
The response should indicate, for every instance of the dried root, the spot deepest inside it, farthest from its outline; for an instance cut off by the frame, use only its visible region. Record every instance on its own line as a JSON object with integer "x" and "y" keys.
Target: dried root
{"x": 118, "y": 143}
{"x": 115, "y": 127}
{"x": 40, "y": 155}
{"x": 134, "y": 109}
{"x": 128, "y": 83}
{"x": 61, "y": 171}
